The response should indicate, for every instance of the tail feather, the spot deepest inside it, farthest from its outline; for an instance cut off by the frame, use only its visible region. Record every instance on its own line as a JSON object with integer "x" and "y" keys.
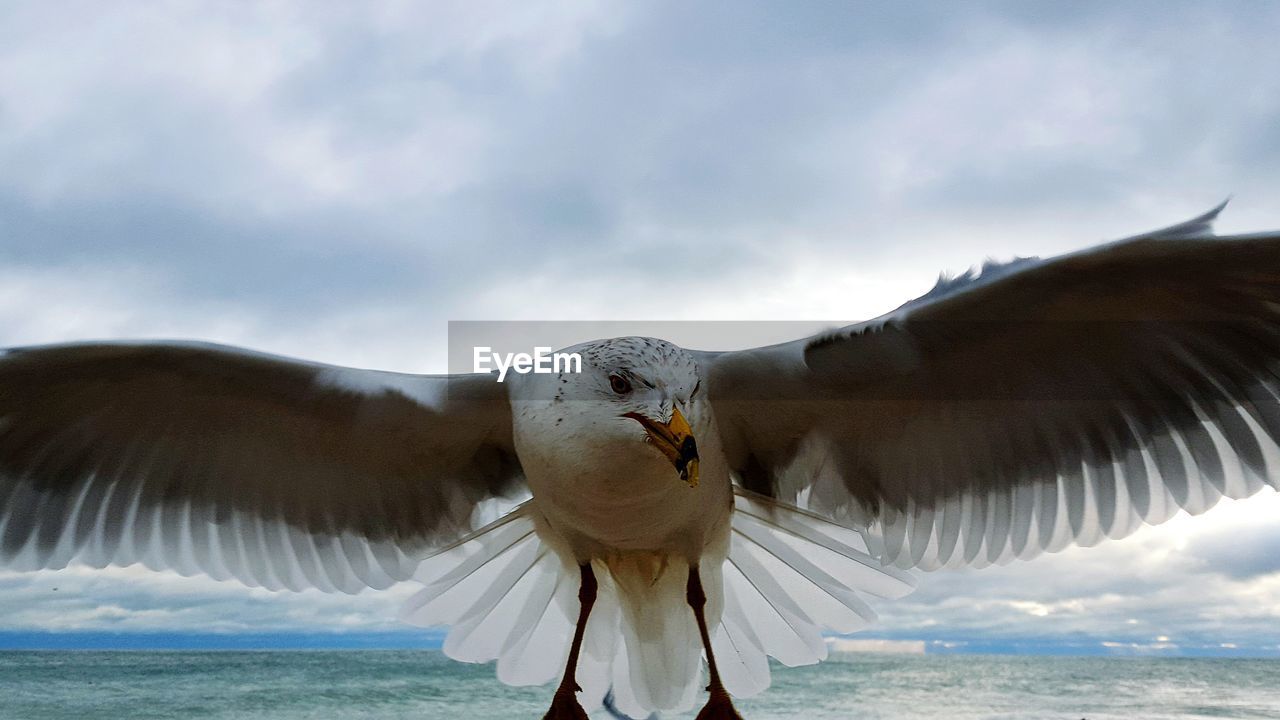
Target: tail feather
{"x": 600, "y": 644}
{"x": 450, "y": 565}
{"x": 789, "y": 575}
{"x": 836, "y": 549}
{"x": 540, "y": 625}
{"x": 740, "y": 654}
{"x": 824, "y": 599}
{"x": 660, "y": 636}
{"x": 788, "y": 634}
{"x": 468, "y": 580}
{"x": 481, "y": 634}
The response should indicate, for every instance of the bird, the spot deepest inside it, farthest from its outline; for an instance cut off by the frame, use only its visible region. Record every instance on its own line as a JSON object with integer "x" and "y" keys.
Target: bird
{"x": 660, "y": 521}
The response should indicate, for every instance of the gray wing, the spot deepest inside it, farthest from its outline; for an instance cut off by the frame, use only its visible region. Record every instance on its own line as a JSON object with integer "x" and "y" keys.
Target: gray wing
{"x": 1027, "y": 407}
{"x": 209, "y": 459}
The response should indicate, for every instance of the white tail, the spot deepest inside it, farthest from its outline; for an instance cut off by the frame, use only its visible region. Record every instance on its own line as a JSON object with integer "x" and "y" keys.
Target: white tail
{"x": 508, "y": 596}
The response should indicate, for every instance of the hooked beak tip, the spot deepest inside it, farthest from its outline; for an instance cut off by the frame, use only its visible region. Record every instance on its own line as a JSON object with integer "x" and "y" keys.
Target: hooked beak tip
{"x": 675, "y": 440}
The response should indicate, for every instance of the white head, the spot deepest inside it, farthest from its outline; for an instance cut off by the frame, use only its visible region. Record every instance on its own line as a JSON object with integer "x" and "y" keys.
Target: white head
{"x": 636, "y": 400}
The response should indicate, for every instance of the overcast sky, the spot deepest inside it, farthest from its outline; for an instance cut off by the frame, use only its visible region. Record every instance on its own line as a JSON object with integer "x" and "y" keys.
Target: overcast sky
{"x": 338, "y": 181}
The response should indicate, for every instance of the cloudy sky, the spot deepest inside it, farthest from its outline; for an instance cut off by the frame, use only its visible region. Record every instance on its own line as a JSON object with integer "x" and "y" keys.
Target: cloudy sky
{"x": 339, "y": 181}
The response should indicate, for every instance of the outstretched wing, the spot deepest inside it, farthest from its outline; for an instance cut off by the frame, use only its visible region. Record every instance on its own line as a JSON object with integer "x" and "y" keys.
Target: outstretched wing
{"x": 1031, "y": 405}
{"x": 208, "y": 459}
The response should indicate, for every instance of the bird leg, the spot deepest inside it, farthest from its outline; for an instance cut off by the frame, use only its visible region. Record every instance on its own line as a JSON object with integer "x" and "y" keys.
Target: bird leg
{"x": 719, "y": 706}
{"x": 565, "y": 706}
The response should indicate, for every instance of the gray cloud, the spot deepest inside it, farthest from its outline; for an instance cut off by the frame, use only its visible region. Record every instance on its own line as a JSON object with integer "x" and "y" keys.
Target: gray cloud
{"x": 290, "y": 156}
{"x": 137, "y": 600}
{"x": 1241, "y": 553}
{"x": 1180, "y": 582}
{"x": 337, "y": 182}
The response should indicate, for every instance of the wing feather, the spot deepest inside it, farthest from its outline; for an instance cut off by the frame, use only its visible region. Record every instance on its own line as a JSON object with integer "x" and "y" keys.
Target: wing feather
{"x": 275, "y": 472}
{"x": 1027, "y": 406}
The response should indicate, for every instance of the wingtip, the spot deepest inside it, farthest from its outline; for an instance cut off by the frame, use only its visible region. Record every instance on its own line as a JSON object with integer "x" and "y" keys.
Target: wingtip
{"x": 1209, "y": 217}
{"x": 1200, "y": 226}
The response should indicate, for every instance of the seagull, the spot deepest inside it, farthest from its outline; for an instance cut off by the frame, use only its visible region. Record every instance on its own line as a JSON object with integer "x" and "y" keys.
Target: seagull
{"x": 672, "y": 518}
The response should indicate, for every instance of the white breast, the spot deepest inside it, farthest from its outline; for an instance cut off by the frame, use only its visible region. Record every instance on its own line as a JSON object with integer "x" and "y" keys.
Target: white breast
{"x": 606, "y": 495}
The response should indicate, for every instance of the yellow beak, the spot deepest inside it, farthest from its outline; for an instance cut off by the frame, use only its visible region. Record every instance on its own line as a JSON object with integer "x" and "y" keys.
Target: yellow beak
{"x": 675, "y": 440}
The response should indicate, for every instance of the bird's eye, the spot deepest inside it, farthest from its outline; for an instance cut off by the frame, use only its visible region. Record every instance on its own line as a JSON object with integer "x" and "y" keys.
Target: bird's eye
{"x": 619, "y": 384}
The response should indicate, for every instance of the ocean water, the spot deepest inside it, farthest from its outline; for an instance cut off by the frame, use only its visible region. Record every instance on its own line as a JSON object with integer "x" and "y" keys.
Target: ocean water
{"x": 386, "y": 685}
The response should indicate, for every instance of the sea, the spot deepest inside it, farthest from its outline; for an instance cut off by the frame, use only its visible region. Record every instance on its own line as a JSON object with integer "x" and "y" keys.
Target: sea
{"x": 423, "y": 684}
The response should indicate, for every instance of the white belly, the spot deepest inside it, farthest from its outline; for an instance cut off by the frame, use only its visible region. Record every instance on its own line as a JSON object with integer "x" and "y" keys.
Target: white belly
{"x": 637, "y": 503}
{"x": 603, "y": 488}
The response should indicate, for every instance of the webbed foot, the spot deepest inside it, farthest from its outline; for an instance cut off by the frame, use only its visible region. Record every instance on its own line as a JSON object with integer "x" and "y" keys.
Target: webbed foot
{"x": 565, "y": 706}
{"x": 719, "y": 707}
